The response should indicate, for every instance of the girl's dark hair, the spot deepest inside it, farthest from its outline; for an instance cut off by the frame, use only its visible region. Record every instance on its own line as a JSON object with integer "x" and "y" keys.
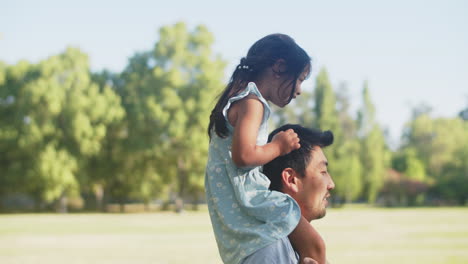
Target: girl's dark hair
{"x": 297, "y": 159}
{"x": 263, "y": 54}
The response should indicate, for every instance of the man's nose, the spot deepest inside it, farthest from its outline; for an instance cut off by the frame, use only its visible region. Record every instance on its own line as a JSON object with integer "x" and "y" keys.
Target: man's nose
{"x": 331, "y": 184}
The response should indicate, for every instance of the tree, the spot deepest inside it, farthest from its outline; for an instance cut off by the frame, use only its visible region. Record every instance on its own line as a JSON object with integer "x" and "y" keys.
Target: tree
{"x": 344, "y": 166}
{"x": 348, "y": 184}
{"x": 440, "y": 144}
{"x": 373, "y": 156}
{"x": 407, "y": 162}
{"x": 168, "y": 94}
{"x": 298, "y": 112}
{"x": 325, "y": 105}
{"x": 347, "y": 166}
{"x": 60, "y": 119}
{"x": 435, "y": 140}
{"x": 453, "y": 186}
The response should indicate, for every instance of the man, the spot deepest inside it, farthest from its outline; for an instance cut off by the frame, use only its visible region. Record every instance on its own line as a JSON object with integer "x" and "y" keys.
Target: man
{"x": 303, "y": 174}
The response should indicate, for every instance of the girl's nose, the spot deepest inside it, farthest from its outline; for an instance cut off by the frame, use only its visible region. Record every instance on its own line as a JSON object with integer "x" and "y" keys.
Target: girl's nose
{"x": 296, "y": 94}
{"x": 298, "y": 90}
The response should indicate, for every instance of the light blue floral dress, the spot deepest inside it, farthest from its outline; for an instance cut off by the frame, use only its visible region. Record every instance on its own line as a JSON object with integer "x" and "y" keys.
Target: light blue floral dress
{"x": 245, "y": 214}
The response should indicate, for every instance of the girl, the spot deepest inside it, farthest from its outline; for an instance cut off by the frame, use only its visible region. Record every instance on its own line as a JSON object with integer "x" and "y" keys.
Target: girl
{"x": 245, "y": 214}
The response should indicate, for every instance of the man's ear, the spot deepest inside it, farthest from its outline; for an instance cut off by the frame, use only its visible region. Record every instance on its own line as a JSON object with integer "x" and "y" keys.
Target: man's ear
{"x": 279, "y": 67}
{"x": 290, "y": 180}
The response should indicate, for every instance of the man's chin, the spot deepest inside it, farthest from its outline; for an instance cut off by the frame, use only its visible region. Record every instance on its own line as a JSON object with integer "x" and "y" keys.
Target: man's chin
{"x": 322, "y": 214}
{"x": 314, "y": 214}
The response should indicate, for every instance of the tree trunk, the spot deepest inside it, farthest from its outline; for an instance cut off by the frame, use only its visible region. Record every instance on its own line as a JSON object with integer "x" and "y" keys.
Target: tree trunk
{"x": 62, "y": 204}
{"x": 105, "y": 200}
{"x": 99, "y": 194}
{"x": 179, "y": 205}
{"x": 195, "y": 202}
{"x": 195, "y": 205}
{"x": 182, "y": 173}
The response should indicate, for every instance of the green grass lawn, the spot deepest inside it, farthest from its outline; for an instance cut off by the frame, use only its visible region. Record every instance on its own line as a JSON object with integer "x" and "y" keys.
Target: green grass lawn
{"x": 353, "y": 235}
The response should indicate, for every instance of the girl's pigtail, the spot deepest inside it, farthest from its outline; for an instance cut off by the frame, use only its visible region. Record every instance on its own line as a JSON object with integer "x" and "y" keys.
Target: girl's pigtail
{"x": 239, "y": 79}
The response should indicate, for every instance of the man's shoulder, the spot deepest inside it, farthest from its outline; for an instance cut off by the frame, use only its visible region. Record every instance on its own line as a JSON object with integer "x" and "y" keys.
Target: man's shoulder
{"x": 278, "y": 252}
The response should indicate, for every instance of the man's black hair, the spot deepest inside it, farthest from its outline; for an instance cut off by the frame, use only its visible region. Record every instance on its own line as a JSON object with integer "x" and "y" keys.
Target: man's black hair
{"x": 297, "y": 159}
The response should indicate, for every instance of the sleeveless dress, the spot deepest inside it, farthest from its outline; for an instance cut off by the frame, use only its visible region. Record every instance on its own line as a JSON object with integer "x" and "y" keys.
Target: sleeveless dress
{"x": 246, "y": 216}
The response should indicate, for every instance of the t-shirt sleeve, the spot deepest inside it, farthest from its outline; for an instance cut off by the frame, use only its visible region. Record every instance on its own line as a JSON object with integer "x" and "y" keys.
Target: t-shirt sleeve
{"x": 279, "y": 252}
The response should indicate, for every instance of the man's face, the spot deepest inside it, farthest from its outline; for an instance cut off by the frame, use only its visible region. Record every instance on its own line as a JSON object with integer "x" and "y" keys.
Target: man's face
{"x": 314, "y": 187}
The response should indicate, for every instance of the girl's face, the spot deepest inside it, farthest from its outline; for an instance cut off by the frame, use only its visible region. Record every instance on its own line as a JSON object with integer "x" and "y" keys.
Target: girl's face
{"x": 280, "y": 96}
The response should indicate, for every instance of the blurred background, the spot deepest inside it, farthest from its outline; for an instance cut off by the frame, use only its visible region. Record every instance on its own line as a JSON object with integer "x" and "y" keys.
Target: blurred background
{"x": 104, "y": 107}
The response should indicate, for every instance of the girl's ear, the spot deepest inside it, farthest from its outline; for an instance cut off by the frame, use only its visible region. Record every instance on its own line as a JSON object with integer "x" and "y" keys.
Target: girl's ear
{"x": 279, "y": 67}
{"x": 290, "y": 181}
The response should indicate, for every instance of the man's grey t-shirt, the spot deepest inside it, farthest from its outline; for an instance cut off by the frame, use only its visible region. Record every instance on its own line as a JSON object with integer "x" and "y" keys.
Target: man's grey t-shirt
{"x": 280, "y": 252}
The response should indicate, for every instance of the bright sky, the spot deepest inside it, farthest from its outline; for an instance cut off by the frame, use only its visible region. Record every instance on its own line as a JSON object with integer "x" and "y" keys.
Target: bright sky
{"x": 411, "y": 52}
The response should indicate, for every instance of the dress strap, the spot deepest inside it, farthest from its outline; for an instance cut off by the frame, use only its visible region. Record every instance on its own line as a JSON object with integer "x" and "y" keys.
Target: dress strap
{"x": 250, "y": 89}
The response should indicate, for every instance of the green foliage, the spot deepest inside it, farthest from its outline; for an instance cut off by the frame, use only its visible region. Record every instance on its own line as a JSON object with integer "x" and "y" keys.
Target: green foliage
{"x": 325, "y": 105}
{"x": 141, "y": 134}
{"x": 348, "y": 168}
{"x": 54, "y": 174}
{"x": 454, "y": 183}
{"x": 53, "y": 119}
{"x": 408, "y": 163}
{"x": 331, "y": 112}
{"x": 168, "y": 95}
{"x": 435, "y": 151}
{"x": 414, "y": 167}
{"x": 373, "y": 150}
{"x": 298, "y": 112}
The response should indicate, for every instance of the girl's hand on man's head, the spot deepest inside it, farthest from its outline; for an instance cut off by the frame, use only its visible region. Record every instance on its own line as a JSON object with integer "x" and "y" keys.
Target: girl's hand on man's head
{"x": 287, "y": 141}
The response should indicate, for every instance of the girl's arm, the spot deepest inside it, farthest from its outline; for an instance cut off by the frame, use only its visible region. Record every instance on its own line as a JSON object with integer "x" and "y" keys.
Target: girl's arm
{"x": 247, "y": 117}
